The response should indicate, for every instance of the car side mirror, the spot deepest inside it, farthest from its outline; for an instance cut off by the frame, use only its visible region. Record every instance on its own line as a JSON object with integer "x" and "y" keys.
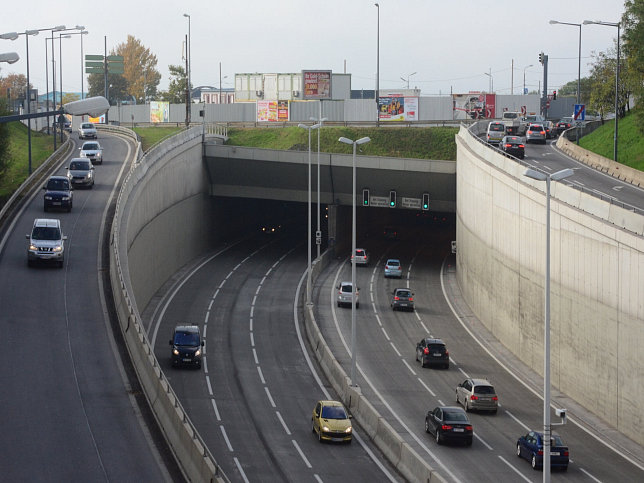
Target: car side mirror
{"x": 27, "y": 237}
{"x": 350, "y": 416}
{"x": 64, "y": 237}
{"x": 202, "y": 343}
{"x": 170, "y": 342}
{"x": 460, "y": 385}
{"x": 44, "y": 187}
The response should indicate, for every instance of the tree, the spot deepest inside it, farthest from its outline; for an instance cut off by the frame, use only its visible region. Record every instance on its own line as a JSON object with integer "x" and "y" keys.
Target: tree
{"x": 117, "y": 87}
{"x": 4, "y": 138}
{"x": 176, "y": 93}
{"x": 70, "y": 97}
{"x": 140, "y": 69}
{"x": 570, "y": 89}
{"x": 16, "y": 83}
{"x": 633, "y": 39}
{"x": 602, "y": 75}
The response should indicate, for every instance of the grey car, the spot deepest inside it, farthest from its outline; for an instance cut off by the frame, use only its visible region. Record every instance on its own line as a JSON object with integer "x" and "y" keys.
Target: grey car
{"x": 345, "y": 295}
{"x": 87, "y": 130}
{"x": 93, "y": 151}
{"x": 402, "y": 299}
{"x": 81, "y": 172}
{"x": 477, "y": 394}
{"x": 393, "y": 268}
{"x": 46, "y": 242}
{"x": 535, "y": 133}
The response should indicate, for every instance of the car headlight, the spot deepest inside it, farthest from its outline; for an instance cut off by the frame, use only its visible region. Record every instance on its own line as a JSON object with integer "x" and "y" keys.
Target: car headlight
{"x": 175, "y": 352}
{"x": 48, "y": 197}
{"x": 348, "y": 430}
{"x": 326, "y": 429}
{"x": 33, "y": 247}
{"x": 197, "y": 353}
{"x": 65, "y": 198}
{"x": 58, "y": 248}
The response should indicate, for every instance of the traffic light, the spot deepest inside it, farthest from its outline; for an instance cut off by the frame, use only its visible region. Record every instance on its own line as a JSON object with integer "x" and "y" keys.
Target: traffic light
{"x": 541, "y": 58}
{"x": 365, "y": 197}
{"x": 425, "y": 202}
{"x": 392, "y": 199}
{"x": 554, "y": 95}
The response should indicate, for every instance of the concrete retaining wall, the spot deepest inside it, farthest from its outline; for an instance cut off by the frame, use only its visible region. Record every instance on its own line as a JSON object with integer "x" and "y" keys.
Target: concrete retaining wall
{"x": 597, "y": 280}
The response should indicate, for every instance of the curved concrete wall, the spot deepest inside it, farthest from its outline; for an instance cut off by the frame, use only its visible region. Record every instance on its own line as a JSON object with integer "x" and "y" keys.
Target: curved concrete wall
{"x": 597, "y": 280}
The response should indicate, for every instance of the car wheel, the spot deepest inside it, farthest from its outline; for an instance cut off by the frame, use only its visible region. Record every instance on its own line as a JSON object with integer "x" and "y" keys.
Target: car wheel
{"x": 339, "y": 304}
{"x": 69, "y": 208}
{"x": 416, "y": 356}
{"x": 457, "y": 401}
{"x": 438, "y": 437}
{"x": 447, "y": 366}
{"x": 312, "y": 426}
{"x": 564, "y": 468}
{"x": 320, "y": 436}
{"x": 518, "y": 450}
{"x": 422, "y": 362}
{"x": 533, "y": 462}
{"x": 466, "y": 406}
{"x": 494, "y": 411}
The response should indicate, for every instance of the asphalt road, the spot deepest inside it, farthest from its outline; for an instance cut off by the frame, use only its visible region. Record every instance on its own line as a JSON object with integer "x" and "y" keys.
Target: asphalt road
{"x": 67, "y": 410}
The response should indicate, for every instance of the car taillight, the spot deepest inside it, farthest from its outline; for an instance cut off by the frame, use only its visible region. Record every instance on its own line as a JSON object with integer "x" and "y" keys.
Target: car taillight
{"x": 446, "y": 352}
{"x": 521, "y": 146}
{"x": 508, "y": 145}
{"x": 474, "y": 398}
{"x": 529, "y": 132}
{"x": 468, "y": 428}
{"x": 396, "y": 297}
{"x": 540, "y": 452}
{"x": 566, "y": 453}
{"x": 411, "y": 299}
{"x": 495, "y": 398}
{"x": 446, "y": 427}
{"x": 425, "y": 351}
{"x": 543, "y": 132}
{"x": 387, "y": 267}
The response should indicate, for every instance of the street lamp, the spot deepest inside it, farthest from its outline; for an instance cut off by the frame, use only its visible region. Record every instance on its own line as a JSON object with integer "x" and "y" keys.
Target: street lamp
{"x": 308, "y": 273}
{"x": 353, "y": 257}
{"x": 491, "y": 80}
{"x": 189, "y": 63}
{"x": 81, "y": 33}
{"x": 60, "y": 67}
{"x": 320, "y": 122}
{"x": 378, "y": 68}
{"x": 611, "y": 24}
{"x": 539, "y": 176}
{"x": 9, "y": 57}
{"x": 407, "y": 80}
{"x": 524, "y": 69}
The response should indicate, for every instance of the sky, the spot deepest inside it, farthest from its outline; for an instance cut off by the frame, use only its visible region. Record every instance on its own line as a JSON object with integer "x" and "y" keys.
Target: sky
{"x": 438, "y": 46}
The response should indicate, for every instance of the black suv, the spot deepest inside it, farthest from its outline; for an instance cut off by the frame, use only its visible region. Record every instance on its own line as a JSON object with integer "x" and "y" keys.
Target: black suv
{"x": 430, "y": 351}
{"x": 58, "y": 193}
{"x": 186, "y": 346}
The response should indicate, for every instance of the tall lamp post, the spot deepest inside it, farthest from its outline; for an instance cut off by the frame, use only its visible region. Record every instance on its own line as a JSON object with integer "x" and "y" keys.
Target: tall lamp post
{"x": 407, "y": 79}
{"x": 378, "y": 68}
{"x": 353, "y": 258}
{"x": 539, "y": 176}
{"x": 189, "y": 63}
{"x": 491, "y": 80}
{"x": 524, "y": 69}
{"x": 308, "y": 272}
{"x": 81, "y": 33}
{"x": 320, "y": 122}
{"x": 60, "y": 65}
{"x": 554, "y": 22}
{"x": 612, "y": 24}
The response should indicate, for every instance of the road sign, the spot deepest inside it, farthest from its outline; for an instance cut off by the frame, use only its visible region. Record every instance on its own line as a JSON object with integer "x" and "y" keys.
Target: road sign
{"x": 580, "y": 112}
{"x": 94, "y": 64}
{"x": 94, "y": 70}
{"x": 115, "y": 58}
{"x": 115, "y": 68}
{"x": 379, "y": 201}
{"x": 413, "y": 203}
{"x": 94, "y": 57}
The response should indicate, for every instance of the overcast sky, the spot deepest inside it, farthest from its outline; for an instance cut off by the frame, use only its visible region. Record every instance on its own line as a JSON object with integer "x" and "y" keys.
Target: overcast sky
{"x": 447, "y": 45}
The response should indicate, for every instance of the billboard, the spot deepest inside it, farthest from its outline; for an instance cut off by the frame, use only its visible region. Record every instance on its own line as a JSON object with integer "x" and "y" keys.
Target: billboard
{"x": 316, "y": 84}
{"x": 159, "y": 111}
{"x": 272, "y": 111}
{"x": 468, "y": 106}
{"x": 397, "y": 108}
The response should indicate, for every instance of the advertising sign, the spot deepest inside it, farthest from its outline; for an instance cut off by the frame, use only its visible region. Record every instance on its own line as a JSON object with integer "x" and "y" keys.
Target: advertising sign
{"x": 97, "y": 120}
{"x": 317, "y": 84}
{"x": 159, "y": 111}
{"x": 490, "y": 106}
{"x": 398, "y": 108}
{"x": 469, "y": 106}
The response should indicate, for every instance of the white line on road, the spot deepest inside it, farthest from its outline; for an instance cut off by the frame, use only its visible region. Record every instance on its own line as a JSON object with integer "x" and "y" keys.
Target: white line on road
{"x": 223, "y": 432}
{"x": 426, "y": 387}
{"x": 208, "y": 384}
{"x": 279, "y": 416}
{"x": 270, "y": 398}
{"x": 306, "y": 461}
{"x": 241, "y": 470}
{"x": 482, "y": 441}
{"x": 261, "y": 376}
{"x": 395, "y": 350}
{"x": 411, "y": 369}
{"x": 513, "y": 468}
{"x": 589, "y": 475}
{"x": 517, "y": 420}
{"x": 216, "y": 409}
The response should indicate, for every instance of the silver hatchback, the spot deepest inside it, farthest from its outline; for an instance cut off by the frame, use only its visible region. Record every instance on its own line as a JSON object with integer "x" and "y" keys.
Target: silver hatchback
{"x": 393, "y": 268}
{"x": 535, "y": 133}
{"x": 345, "y": 295}
{"x": 477, "y": 394}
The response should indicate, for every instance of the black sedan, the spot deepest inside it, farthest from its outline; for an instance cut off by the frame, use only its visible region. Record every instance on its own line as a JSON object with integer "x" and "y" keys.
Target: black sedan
{"x": 449, "y": 423}
{"x": 530, "y": 447}
{"x": 58, "y": 193}
{"x": 514, "y": 146}
{"x": 432, "y": 352}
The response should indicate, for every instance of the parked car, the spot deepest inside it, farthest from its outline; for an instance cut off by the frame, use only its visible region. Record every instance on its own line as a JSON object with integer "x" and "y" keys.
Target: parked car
{"x": 402, "y": 298}
{"x": 530, "y": 447}
{"x": 345, "y": 295}
{"x": 93, "y": 151}
{"x": 477, "y": 394}
{"x": 362, "y": 257}
{"x": 331, "y": 422}
{"x": 432, "y": 352}
{"x": 514, "y": 146}
{"x": 535, "y": 132}
{"x": 81, "y": 172}
{"x": 495, "y": 132}
{"x": 563, "y": 124}
{"x": 46, "y": 242}
{"x": 448, "y": 423}
{"x": 87, "y": 130}
{"x": 186, "y": 346}
{"x": 393, "y": 268}
{"x": 58, "y": 193}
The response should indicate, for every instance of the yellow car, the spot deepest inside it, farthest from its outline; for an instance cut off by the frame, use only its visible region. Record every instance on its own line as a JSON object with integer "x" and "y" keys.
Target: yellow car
{"x": 331, "y": 422}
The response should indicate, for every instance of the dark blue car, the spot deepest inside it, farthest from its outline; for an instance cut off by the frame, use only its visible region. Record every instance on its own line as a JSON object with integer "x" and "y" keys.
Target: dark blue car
{"x": 58, "y": 193}
{"x": 530, "y": 447}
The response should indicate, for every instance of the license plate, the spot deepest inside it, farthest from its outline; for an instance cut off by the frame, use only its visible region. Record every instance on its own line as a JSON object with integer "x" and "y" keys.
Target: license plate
{"x": 56, "y": 203}
{"x": 437, "y": 354}
{"x": 460, "y": 430}
{"x": 187, "y": 360}
{"x": 554, "y": 453}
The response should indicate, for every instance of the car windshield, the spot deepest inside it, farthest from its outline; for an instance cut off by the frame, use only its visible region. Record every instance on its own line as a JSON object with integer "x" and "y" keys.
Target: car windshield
{"x": 87, "y": 126}
{"x": 58, "y": 185}
{"x": 483, "y": 390}
{"x": 497, "y": 127}
{"x": 90, "y": 146}
{"x": 536, "y": 127}
{"x": 360, "y": 253}
{"x": 454, "y": 415}
{"x": 186, "y": 338}
{"x": 403, "y": 293}
{"x": 393, "y": 263}
{"x": 333, "y": 412}
{"x": 46, "y": 233}
{"x": 79, "y": 165}
{"x": 513, "y": 140}
{"x": 510, "y": 115}
{"x": 436, "y": 347}
{"x": 346, "y": 288}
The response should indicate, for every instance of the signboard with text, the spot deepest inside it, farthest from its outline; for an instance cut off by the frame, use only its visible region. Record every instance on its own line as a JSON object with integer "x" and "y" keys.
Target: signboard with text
{"x": 397, "y": 108}
{"x": 316, "y": 84}
{"x": 272, "y": 111}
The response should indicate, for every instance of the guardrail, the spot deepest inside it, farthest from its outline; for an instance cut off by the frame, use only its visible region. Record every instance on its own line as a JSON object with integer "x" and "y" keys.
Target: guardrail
{"x": 189, "y": 448}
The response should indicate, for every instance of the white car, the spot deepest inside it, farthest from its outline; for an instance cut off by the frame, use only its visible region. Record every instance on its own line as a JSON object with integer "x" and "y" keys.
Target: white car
{"x": 345, "y": 295}
{"x": 93, "y": 151}
{"x": 362, "y": 257}
{"x": 46, "y": 242}
{"x": 87, "y": 130}
{"x": 495, "y": 132}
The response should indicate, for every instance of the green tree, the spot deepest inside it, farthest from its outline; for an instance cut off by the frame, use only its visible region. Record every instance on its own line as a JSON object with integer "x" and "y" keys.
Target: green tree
{"x": 176, "y": 93}
{"x": 633, "y": 41}
{"x": 13, "y": 86}
{"x": 70, "y": 97}
{"x": 140, "y": 69}
{"x": 4, "y": 138}
{"x": 602, "y": 76}
{"x": 117, "y": 87}
{"x": 570, "y": 89}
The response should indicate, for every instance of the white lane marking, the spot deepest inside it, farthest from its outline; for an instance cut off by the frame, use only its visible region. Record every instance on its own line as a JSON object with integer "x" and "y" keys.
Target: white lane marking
{"x": 223, "y": 432}
{"x": 270, "y": 398}
{"x": 279, "y": 416}
{"x": 261, "y": 376}
{"x": 424, "y": 328}
{"x": 452, "y": 360}
{"x": 221, "y": 285}
{"x": 411, "y": 369}
{"x": 216, "y": 409}
{"x": 252, "y": 339}
{"x": 441, "y": 403}
{"x": 262, "y": 280}
{"x": 212, "y": 301}
{"x": 229, "y": 274}
{"x": 238, "y": 265}
{"x": 427, "y": 387}
{"x": 317, "y": 478}
{"x": 306, "y": 461}
{"x": 246, "y": 259}
{"x": 204, "y": 362}
{"x": 255, "y": 356}
{"x": 589, "y": 475}
{"x": 463, "y": 372}
{"x": 385, "y": 332}
{"x": 252, "y": 311}
{"x": 254, "y": 300}
{"x": 525, "y": 426}
{"x": 250, "y": 324}
{"x": 395, "y": 350}
{"x": 208, "y": 384}
{"x": 259, "y": 287}
{"x": 205, "y": 328}
{"x": 241, "y": 470}
{"x": 482, "y": 441}
{"x": 513, "y": 468}
{"x": 214, "y": 296}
